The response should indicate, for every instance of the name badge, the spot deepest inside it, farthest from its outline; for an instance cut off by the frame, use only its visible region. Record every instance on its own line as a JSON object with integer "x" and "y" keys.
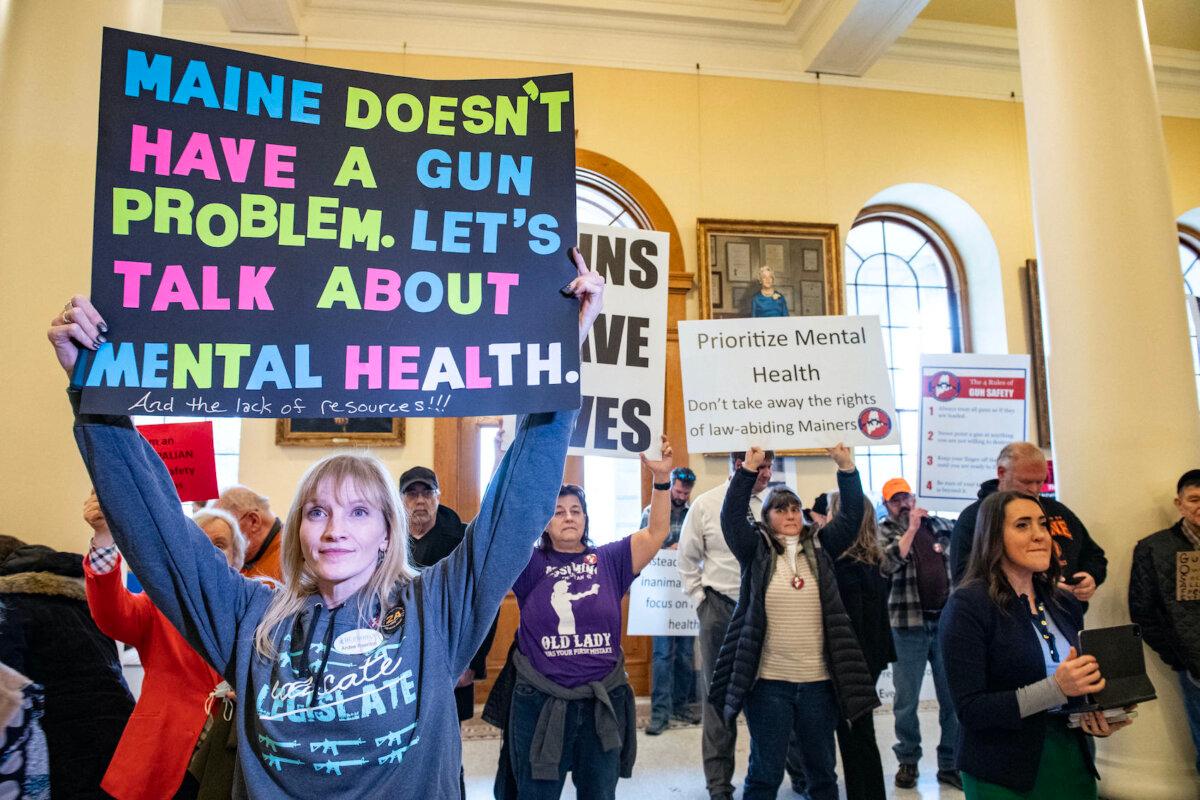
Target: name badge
{"x": 358, "y": 641}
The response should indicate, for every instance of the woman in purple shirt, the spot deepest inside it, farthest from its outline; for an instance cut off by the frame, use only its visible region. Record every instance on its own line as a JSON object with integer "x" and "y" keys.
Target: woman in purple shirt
{"x": 571, "y": 707}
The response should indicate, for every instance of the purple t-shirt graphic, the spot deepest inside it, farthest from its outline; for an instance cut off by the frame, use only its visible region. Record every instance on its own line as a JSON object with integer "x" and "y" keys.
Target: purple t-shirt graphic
{"x": 571, "y": 611}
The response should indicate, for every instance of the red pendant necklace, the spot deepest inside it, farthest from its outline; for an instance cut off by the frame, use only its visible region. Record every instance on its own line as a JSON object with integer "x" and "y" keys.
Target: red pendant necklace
{"x": 797, "y": 581}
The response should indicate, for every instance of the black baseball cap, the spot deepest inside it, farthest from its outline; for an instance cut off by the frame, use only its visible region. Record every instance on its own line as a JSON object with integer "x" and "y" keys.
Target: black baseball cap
{"x": 821, "y": 504}
{"x": 683, "y": 474}
{"x": 418, "y": 475}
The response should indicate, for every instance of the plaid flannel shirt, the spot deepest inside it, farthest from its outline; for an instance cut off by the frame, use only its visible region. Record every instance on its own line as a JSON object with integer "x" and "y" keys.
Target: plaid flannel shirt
{"x": 103, "y": 560}
{"x": 904, "y": 600}
{"x": 678, "y": 513}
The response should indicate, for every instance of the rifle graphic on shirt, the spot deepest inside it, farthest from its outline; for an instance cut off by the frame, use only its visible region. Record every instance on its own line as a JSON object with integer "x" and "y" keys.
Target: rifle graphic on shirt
{"x": 396, "y": 756}
{"x": 272, "y": 745}
{"x": 393, "y": 738}
{"x": 335, "y": 767}
{"x": 331, "y": 746}
{"x": 277, "y": 762}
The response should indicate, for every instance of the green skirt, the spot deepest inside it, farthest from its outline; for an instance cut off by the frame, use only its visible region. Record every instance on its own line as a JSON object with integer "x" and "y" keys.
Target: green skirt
{"x": 1063, "y": 773}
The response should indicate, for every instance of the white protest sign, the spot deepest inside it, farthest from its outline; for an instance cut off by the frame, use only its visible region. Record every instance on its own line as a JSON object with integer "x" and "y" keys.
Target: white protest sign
{"x": 971, "y": 406}
{"x": 785, "y": 383}
{"x": 624, "y": 359}
{"x": 658, "y": 605}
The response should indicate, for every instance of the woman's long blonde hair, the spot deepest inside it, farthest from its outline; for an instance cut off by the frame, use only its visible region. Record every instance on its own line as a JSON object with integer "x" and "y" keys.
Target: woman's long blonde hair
{"x": 866, "y": 548}
{"x": 372, "y": 479}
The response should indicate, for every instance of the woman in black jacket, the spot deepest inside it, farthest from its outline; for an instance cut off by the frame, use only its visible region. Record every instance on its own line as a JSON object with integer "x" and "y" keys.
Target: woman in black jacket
{"x": 864, "y": 591}
{"x": 790, "y": 656}
{"x": 1008, "y": 636}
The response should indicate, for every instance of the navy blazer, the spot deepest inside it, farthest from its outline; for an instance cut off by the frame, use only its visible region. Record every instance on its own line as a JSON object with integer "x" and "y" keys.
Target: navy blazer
{"x": 989, "y": 652}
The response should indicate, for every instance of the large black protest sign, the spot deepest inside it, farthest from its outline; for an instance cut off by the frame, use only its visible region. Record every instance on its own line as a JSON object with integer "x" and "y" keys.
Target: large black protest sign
{"x": 275, "y": 238}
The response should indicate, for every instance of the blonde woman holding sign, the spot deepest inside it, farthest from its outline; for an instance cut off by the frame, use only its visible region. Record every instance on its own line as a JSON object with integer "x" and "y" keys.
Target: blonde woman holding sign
{"x": 345, "y": 676}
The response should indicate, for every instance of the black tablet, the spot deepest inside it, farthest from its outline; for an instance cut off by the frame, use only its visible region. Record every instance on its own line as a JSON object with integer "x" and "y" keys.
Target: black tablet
{"x": 1118, "y": 650}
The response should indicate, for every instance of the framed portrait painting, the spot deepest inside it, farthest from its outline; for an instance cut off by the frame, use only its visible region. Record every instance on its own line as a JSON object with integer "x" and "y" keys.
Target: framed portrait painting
{"x": 769, "y": 269}
{"x": 340, "y": 432}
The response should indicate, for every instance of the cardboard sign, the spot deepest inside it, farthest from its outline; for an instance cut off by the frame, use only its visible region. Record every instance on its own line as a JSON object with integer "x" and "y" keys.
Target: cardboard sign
{"x": 280, "y": 239}
{"x": 785, "y": 383}
{"x": 625, "y": 355}
{"x": 658, "y": 605}
{"x": 186, "y": 449}
{"x": 1187, "y": 576}
{"x": 972, "y": 405}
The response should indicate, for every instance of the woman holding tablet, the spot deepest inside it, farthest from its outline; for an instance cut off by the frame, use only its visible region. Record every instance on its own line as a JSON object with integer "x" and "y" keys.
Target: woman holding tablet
{"x": 1009, "y": 638}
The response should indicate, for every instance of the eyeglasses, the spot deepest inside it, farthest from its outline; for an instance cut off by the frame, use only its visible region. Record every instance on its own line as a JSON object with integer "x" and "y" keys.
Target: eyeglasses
{"x": 423, "y": 494}
{"x": 684, "y": 474}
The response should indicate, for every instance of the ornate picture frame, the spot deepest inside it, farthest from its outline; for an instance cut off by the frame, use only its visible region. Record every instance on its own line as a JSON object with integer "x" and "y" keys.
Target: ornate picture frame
{"x": 804, "y": 257}
{"x": 340, "y": 432}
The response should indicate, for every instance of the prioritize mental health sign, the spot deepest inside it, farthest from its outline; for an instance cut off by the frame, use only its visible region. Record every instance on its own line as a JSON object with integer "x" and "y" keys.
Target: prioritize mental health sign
{"x": 971, "y": 406}
{"x": 625, "y": 354}
{"x": 276, "y": 239}
{"x": 785, "y": 383}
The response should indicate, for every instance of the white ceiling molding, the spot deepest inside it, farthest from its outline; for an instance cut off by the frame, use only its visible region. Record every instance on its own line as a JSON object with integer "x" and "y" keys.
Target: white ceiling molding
{"x": 259, "y": 16}
{"x": 868, "y": 31}
{"x": 767, "y": 40}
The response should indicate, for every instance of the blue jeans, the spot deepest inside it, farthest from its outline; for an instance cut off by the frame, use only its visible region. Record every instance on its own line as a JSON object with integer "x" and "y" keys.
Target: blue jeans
{"x": 1191, "y": 703}
{"x": 915, "y": 647}
{"x": 777, "y": 710}
{"x": 674, "y": 676}
{"x": 593, "y": 771}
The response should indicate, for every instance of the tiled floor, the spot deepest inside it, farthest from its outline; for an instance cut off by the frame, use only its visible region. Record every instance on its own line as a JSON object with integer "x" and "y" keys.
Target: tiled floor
{"x": 668, "y": 766}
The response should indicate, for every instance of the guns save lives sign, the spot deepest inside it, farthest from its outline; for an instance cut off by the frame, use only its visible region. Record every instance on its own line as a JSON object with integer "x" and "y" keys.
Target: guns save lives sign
{"x": 625, "y": 353}
{"x": 275, "y": 238}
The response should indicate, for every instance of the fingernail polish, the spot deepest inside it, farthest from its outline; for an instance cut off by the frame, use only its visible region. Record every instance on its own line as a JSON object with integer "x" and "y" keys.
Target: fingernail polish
{"x": 566, "y": 291}
{"x": 103, "y": 327}
{"x": 101, "y": 339}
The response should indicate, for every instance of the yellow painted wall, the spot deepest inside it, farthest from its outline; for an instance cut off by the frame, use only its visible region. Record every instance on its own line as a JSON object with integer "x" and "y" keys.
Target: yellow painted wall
{"x": 710, "y": 146}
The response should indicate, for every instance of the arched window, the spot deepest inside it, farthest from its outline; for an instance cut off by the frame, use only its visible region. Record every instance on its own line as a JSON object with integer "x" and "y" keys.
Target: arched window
{"x": 1189, "y": 262}
{"x": 901, "y": 266}
{"x": 600, "y": 200}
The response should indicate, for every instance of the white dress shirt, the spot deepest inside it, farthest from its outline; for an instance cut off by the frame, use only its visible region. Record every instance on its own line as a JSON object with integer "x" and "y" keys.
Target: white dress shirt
{"x": 704, "y": 558}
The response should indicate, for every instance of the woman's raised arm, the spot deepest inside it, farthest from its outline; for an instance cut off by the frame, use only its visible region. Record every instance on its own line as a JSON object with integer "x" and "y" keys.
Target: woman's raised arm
{"x": 646, "y": 543}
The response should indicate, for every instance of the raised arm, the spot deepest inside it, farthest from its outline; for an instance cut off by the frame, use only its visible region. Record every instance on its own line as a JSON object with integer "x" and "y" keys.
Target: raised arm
{"x": 184, "y": 575}
{"x": 740, "y": 534}
{"x": 465, "y": 589}
{"x": 842, "y": 530}
{"x": 118, "y": 613}
{"x": 646, "y": 543}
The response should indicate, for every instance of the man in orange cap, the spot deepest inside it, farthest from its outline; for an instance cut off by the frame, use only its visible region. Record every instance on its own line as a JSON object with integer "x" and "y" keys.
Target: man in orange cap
{"x": 916, "y": 550}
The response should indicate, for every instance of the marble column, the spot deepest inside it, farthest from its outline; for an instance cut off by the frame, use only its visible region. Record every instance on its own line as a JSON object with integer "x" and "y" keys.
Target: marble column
{"x": 1122, "y": 395}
